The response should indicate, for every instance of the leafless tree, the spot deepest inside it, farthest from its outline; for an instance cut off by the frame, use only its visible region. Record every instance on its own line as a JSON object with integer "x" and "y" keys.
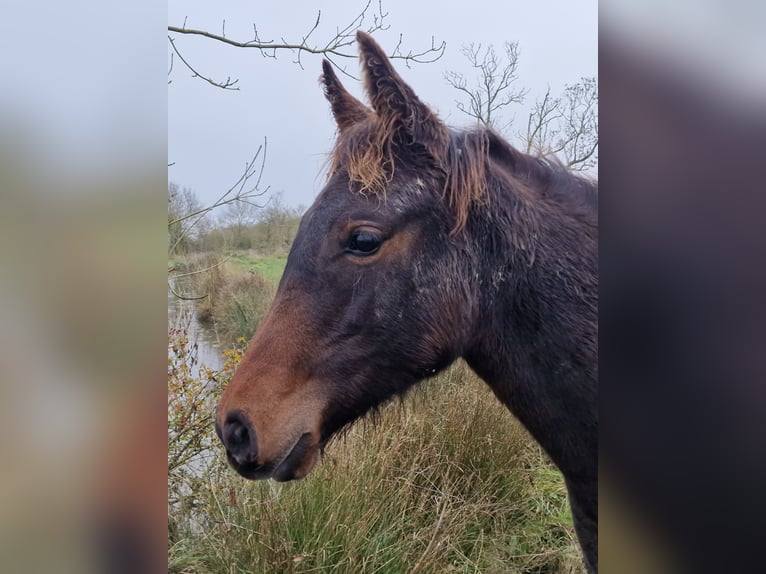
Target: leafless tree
{"x": 565, "y": 126}
{"x": 237, "y": 217}
{"x": 181, "y": 203}
{"x": 334, "y": 45}
{"x": 279, "y": 221}
{"x": 494, "y": 88}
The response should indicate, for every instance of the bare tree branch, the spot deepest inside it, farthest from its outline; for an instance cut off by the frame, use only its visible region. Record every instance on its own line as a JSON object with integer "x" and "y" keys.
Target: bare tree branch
{"x": 494, "y": 88}
{"x": 541, "y": 126}
{"x": 242, "y": 190}
{"x": 184, "y": 297}
{"x": 566, "y": 127}
{"x": 334, "y": 47}
{"x": 182, "y": 219}
{"x": 581, "y": 126}
{"x": 206, "y": 269}
{"x": 227, "y": 84}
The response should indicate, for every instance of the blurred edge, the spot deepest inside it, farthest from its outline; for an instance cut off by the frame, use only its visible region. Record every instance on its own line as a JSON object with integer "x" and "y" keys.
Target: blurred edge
{"x": 83, "y": 160}
{"x": 683, "y": 176}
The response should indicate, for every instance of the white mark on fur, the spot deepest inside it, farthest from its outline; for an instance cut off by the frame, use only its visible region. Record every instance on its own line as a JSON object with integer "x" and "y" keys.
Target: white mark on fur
{"x": 499, "y": 277}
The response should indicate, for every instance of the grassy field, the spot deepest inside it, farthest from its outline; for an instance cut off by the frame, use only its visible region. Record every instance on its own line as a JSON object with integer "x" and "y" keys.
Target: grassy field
{"x": 269, "y": 266}
{"x": 445, "y": 481}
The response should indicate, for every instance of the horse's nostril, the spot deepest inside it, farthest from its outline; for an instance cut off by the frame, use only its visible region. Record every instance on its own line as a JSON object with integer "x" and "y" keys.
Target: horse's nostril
{"x": 240, "y": 435}
{"x": 239, "y": 438}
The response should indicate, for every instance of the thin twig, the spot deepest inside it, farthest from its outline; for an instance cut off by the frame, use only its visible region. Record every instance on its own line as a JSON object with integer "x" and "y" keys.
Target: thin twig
{"x": 185, "y": 297}
{"x": 221, "y": 262}
{"x": 241, "y": 195}
{"x": 228, "y": 84}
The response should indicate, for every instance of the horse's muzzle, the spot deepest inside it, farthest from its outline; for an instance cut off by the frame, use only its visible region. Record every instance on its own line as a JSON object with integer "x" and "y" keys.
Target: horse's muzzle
{"x": 239, "y": 438}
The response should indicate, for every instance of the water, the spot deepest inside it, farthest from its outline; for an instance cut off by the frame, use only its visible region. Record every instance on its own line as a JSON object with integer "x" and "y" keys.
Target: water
{"x": 182, "y": 315}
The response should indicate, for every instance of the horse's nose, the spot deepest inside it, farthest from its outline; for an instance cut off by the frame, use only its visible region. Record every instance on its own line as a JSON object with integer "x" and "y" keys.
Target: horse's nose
{"x": 238, "y": 437}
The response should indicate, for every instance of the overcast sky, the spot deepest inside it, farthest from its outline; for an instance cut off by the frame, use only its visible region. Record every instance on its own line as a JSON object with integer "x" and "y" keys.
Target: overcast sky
{"x": 212, "y": 133}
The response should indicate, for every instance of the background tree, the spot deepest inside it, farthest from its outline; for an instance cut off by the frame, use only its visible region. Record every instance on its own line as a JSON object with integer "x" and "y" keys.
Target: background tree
{"x": 565, "y": 126}
{"x": 281, "y": 222}
{"x": 494, "y": 88}
{"x": 182, "y": 203}
{"x": 238, "y": 216}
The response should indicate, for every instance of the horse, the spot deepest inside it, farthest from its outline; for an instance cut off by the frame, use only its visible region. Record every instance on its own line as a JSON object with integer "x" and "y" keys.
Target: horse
{"x": 426, "y": 245}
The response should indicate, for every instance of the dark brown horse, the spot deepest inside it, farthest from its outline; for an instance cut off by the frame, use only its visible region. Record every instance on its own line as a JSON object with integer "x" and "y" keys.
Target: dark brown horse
{"x": 426, "y": 245}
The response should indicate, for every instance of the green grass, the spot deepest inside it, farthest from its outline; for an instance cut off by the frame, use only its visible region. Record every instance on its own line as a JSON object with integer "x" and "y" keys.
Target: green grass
{"x": 270, "y": 267}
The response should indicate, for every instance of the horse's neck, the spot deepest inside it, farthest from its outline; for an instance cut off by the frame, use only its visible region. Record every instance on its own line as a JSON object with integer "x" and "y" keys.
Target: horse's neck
{"x": 535, "y": 339}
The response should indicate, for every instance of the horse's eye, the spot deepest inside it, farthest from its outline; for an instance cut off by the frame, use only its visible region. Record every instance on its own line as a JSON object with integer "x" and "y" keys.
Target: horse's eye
{"x": 363, "y": 242}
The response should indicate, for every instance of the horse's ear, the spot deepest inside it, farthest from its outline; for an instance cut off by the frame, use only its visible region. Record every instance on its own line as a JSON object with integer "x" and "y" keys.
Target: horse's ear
{"x": 395, "y": 102}
{"x": 345, "y": 107}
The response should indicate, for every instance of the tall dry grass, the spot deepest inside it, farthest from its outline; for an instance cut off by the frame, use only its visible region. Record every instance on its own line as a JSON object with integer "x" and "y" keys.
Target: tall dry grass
{"x": 445, "y": 481}
{"x": 230, "y": 299}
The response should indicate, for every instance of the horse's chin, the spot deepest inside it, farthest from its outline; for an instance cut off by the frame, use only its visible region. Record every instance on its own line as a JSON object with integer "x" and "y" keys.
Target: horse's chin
{"x": 297, "y": 463}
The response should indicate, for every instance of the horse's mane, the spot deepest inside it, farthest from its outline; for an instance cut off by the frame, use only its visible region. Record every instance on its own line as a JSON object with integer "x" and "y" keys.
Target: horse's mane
{"x": 370, "y": 150}
{"x": 544, "y": 178}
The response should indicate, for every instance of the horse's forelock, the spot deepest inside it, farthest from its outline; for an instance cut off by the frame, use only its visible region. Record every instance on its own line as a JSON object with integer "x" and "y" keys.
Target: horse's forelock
{"x": 364, "y": 152}
{"x": 368, "y": 153}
